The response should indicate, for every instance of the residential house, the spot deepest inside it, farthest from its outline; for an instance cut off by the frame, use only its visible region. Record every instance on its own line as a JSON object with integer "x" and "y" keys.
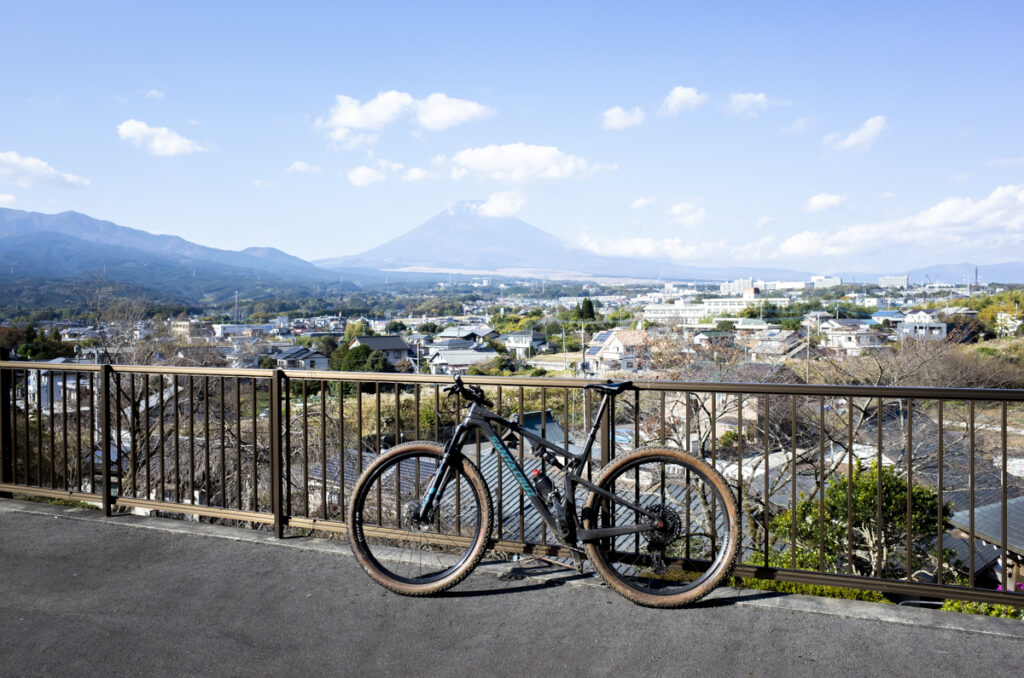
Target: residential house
{"x": 299, "y": 358}
{"x": 708, "y": 338}
{"x": 525, "y": 343}
{"x": 54, "y": 386}
{"x": 923, "y": 330}
{"x": 457, "y": 361}
{"x": 922, "y": 315}
{"x": 478, "y": 332}
{"x": 774, "y": 346}
{"x": 894, "y": 318}
{"x": 854, "y": 339}
{"x": 393, "y": 347}
{"x": 616, "y": 350}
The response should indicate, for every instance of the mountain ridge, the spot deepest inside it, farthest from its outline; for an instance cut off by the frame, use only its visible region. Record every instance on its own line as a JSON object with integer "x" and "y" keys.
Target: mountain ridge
{"x": 99, "y": 231}
{"x": 460, "y": 238}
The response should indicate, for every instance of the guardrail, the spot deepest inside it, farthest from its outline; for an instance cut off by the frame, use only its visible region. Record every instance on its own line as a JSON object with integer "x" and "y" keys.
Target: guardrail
{"x": 911, "y": 491}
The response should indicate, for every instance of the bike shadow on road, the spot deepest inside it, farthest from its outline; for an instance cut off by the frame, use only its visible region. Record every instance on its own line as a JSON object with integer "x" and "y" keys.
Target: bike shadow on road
{"x": 540, "y": 576}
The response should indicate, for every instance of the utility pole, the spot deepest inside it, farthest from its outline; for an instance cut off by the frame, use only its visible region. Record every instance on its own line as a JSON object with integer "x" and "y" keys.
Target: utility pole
{"x": 565, "y": 352}
{"x": 583, "y": 348}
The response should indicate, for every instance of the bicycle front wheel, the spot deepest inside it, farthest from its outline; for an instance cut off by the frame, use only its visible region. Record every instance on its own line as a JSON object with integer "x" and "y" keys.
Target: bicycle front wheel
{"x": 692, "y": 543}
{"x": 404, "y": 554}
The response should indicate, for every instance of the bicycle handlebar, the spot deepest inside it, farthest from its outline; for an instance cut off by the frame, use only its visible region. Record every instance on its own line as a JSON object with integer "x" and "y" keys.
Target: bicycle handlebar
{"x": 472, "y": 393}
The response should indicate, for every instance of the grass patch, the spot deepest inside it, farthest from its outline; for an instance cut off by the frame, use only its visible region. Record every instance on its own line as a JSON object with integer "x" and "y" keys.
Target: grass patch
{"x": 810, "y": 590}
{"x": 986, "y": 609}
{"x": 74, "y": 503}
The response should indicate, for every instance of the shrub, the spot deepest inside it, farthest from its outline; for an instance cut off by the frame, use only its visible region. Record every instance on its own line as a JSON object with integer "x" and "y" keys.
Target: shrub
{"x": 987, "y": 609}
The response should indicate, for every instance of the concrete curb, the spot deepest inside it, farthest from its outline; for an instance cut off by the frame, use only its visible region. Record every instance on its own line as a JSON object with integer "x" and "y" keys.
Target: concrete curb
{"x": 528, "y": 568}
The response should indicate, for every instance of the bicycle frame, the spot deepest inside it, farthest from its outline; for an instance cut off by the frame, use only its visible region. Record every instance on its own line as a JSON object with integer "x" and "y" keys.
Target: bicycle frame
{"x": 480, "y": 418}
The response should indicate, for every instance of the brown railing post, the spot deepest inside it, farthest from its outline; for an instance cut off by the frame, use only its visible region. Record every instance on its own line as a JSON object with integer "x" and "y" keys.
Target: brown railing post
{"x": 6, "y": 439}
{"x": 275, "y": 453}
{"x": 606, "y": 449}
{"x": 105, "y": 442}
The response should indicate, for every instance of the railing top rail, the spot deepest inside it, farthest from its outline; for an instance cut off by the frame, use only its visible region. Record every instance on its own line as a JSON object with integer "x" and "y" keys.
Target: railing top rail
{"x": 853, "y": 391}
{"x": 44, "y": 366}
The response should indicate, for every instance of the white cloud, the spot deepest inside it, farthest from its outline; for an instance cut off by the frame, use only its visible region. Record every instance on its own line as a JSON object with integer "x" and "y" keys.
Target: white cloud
{"x": 436, "y": 112}
{"x": 619, "y": 118}
{"x": 797, "y": 126}
{"x": 26, "y": 171}
{"x": 887, "y": 195}
{"x": 1007, "y": 162}
{"x": 763, "y": 221}
{"x": 439, "y": 111}
{"x": 959, "y": 177}
{"x": 859, "y": 139}
{"x": 501, "y": 204}
{"x": 154, "y": 94}
{"x": 259, "y": 183}
{"x": 751, "y": 104}
{"x": 687, "y": 214}
{"x": 304, "y": 167}
{"x": 417, "y": 174}
{"x": 520, "y": 162}
{"x": 643, "y": 201}
{"x": 985, "y": 229}
{"x": 6, "y": 199}
{"x": 824, "y": 201}
{"x": 364, "y": 176}
{"x": 390, "y": 166}
{"x": 994, "y": 224}
{"x": 158, "y": 140}
{"x": 648, "y": 248}
{"x": 680, "y": 99}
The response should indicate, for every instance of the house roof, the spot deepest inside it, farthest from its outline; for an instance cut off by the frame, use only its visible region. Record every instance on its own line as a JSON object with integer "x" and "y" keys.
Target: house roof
{"x": 462, "y": 356}
{"x": 988, "y": 523}
{"x": 383, "y": 343}
{"x": 298, "y": 353}
{"x": 631, "y": 337}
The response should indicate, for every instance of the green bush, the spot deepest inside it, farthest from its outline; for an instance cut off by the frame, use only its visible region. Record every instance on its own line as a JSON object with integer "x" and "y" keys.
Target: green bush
{"x": 810, "y": 590}
{"x": 987, "y": 609}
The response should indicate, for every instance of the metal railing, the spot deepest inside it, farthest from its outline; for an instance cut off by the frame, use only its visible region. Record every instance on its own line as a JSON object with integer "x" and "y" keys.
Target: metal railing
{"x": 909, "y": 491}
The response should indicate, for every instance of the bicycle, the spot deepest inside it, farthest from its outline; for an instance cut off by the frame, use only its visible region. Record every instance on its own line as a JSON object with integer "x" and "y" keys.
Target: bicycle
{"x": 660, "y": 526}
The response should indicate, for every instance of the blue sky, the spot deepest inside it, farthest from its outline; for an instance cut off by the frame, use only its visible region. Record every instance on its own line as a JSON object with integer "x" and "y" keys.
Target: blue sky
{"x": 809, "y": 136}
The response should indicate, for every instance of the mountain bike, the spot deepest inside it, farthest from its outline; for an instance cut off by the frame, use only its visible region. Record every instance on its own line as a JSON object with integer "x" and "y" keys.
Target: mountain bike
{"x": 659, "y": 526}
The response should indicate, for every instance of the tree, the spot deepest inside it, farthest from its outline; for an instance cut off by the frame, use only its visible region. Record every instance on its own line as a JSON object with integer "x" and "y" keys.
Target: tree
{"x": 325, "y": 345}
{"x": 428, "y": 328}
{"x": 394, "y": 327}
{"x": 337, "y": 357}
{"x": 878, "y": 549}
{"x": 355, "y": 359}
{"x": 359, "y": 329}
{"x": 587, "y": 309}
{"x": 377, "y": 362}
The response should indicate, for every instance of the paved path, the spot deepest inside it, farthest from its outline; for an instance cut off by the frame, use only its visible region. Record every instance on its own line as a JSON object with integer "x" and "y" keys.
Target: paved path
{"x": 85, "y": 595}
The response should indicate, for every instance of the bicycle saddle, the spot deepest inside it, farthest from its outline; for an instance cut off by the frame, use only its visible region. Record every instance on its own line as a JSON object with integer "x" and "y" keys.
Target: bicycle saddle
{"x": 612, "y": 388}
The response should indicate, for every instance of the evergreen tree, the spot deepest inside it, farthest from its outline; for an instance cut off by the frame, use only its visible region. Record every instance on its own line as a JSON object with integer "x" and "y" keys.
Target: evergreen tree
{"x": 587, "y": 309}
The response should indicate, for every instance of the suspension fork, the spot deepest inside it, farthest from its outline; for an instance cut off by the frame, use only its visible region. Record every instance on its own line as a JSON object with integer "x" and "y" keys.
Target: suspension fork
{"x": 445, "y": 468}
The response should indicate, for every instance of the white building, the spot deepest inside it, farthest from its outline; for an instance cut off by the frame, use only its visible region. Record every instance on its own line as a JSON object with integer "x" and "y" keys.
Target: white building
{"x": 678, "y": 312}
{"x": 825, "y": 281}
{"x": 894, "y": 281}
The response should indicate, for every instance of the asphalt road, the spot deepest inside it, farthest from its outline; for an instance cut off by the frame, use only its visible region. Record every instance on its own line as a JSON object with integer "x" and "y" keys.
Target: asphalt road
{"x": 84, "y": 595}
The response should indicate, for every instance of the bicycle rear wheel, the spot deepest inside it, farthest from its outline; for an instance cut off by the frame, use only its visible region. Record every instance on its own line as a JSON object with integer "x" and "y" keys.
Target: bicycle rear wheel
{"x": 410, "y": 557}
{"x": 693, "y": 543}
